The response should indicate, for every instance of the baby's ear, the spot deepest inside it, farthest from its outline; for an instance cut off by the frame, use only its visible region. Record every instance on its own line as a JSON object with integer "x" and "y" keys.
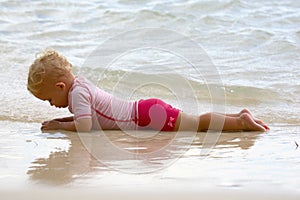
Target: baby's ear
{"x": 61, "y": 85}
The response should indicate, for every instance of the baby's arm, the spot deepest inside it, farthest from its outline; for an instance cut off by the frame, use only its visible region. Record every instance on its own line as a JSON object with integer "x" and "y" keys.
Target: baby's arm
{"x": 65, "y": 119}
{"x": 53, "y": 121}
{"x": 81, "y": 125}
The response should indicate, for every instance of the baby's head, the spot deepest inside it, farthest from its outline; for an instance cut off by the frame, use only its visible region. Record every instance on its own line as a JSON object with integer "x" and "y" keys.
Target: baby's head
{"x": 50, "y": 78}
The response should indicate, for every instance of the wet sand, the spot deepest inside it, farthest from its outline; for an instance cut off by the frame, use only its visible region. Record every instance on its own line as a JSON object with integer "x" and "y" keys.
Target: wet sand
{"x": 171, "y": 193}
{"x": 241, "y": 164}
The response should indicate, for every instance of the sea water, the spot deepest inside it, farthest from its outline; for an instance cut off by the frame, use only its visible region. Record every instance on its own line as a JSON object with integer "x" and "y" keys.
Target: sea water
{"x": 252, "y": 48}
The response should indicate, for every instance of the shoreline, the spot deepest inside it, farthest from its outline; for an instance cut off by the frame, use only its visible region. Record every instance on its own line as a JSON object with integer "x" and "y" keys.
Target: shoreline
{"x": 241, "y": 162}
{"x": 146, "y": 193}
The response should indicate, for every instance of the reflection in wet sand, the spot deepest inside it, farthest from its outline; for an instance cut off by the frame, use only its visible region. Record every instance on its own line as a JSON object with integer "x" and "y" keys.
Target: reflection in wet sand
{"x": 62, "y": 167}
{"x": 115, "y": 150}
{"x": 243, "y": 140}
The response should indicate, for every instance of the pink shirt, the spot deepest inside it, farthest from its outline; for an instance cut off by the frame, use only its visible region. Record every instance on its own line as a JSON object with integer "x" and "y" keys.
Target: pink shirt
{"x": 106, "y": 111}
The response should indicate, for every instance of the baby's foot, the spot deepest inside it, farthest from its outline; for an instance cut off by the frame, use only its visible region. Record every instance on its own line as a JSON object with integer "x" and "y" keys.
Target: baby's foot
{"x": 258, "y": 121}
{"x": 250, "y": 124}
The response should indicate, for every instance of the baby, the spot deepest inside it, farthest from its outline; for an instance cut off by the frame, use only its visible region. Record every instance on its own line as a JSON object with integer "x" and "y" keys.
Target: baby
{"x": 51, "y": 79}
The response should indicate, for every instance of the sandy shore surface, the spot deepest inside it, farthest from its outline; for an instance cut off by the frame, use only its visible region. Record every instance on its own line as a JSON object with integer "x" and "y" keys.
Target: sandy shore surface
{"x": 114, "y": 165}
{"x": 145, "y": 194}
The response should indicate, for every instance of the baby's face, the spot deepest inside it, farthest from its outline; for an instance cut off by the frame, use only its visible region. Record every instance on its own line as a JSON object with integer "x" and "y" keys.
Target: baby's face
{"x": 56, "y": 94}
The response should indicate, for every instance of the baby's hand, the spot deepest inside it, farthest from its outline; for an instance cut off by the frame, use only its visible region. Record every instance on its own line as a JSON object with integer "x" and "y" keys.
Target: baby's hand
{"x": 50, "y": 125}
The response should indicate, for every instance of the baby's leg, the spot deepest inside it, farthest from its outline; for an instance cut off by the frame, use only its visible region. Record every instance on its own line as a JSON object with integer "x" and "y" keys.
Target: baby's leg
{"x": 186, "y": 122}
{"x": 244, "y": 122}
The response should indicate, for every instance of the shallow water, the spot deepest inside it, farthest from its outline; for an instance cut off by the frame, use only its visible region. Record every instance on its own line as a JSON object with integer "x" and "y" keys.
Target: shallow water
{"x": 245, "y": 161}
{"x": 254, "y": 47}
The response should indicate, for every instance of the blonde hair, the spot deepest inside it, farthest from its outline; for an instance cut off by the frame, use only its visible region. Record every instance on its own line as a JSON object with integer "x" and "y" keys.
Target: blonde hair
{"x": 48, "y": 63}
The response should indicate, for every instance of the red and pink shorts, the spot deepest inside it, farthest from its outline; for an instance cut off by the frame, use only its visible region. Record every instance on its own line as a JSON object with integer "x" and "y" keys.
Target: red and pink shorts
{"x": 156, "y": 114}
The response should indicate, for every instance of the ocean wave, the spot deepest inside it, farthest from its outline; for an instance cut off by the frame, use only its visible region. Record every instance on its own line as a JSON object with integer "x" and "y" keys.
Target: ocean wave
{"x": 109, "y": 79}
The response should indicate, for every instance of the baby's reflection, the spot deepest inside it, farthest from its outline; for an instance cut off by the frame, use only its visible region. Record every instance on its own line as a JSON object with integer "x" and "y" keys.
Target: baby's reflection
{"x": 62, "y": 167}
{"x": 128, "y": 152}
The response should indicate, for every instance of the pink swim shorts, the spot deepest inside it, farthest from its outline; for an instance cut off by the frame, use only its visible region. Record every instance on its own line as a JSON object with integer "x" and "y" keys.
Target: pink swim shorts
{"x": 156, "y": 114}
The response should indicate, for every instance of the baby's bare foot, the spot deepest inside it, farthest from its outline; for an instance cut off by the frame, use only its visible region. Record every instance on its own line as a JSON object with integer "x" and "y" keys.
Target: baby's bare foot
{"x": 250, "y": 124}
{"x": 258, "y": 121}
